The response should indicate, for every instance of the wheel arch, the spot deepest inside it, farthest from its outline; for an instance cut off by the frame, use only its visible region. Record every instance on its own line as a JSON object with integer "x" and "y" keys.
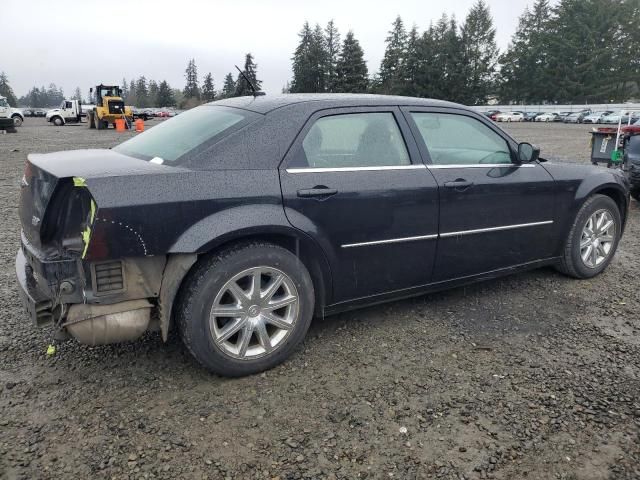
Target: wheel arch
{"x": 617, "y": 194}
{"x": 179, "y": 265}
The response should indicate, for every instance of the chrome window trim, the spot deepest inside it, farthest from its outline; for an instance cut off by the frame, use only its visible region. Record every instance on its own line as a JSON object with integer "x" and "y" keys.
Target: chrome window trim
{"x": 482, "y": 165}
{"x": 447, "y": 234}
{"x": 392, "y": 240}
{"x": 494, "y": 229}
{"x": 353, "y": 169}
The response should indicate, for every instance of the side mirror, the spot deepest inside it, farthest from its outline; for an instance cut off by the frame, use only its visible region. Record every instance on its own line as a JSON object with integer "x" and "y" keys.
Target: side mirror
{"x": 528, "y": 153}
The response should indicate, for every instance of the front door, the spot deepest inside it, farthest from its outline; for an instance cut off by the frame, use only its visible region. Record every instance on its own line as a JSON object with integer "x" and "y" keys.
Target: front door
{"x": 494, "y": 212}
{"x": 354, "y": 181}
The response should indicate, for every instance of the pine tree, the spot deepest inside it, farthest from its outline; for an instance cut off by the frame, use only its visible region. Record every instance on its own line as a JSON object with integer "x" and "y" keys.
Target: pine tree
{"x": 78, "y": 95}
{"x": 351, "y": 69}
{"x": 250, "y": 71}
{"x": 142, "y": 93}
{"x": 153, "y": 94}
{"x": 125, "y": 88}
{"x": 6, "y": 90}
{"x": 332, "y": 42}
{"x": 480, "y": 54}
{"x": 413, "y": 63}
{"x": 394, "y": 57}
{"x": 229, "y": 87}
{"x": 165, "y": 96}
{"x": 191, "y": 90}
{"x": 131, "y": 97}
{"x": 208, "y": 89}
{"x": 310, "y": 61}
{"x": 303, "y": 80}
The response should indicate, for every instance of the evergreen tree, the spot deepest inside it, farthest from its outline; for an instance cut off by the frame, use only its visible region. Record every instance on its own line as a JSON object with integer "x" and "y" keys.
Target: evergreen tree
{"x": 250, "y": 71}
{"x": 229, "y": 87}
{"x": 332, "y": 42}
{"x": 153, "y": 94}
{"x": 351, "y": 69}
{"x": 142, "y": 93}
{"x": 6, "y": 90}
{"x": 413, "y": 63}
{"x": 584, "y": 50}
{"x": 191, "y": 90}
{"x": 54, "y": 95}
{"x": 310, "y": 61}
{"x": 480, "y": 54}
{"x": 78, "y": 95}
{"x": 391, "y": 67}
{"x": 125, "y": 89}
{"x": 131, "y": 97}
{"x": 165, "y": 97}
{"x": 208, "y": 90}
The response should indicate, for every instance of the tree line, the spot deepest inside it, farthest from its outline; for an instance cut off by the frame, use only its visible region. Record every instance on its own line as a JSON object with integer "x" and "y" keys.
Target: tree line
{"x": 578, "y": 51}
{"x": 144, "y": 93}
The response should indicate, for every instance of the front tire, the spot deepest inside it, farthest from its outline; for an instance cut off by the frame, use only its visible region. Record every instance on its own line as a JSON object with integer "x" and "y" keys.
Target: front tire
{"x": 17, "y": 121}
{"x": 593, "y": 239}
{"x": 245, "y": 309}
{"x": 57, "y": 121}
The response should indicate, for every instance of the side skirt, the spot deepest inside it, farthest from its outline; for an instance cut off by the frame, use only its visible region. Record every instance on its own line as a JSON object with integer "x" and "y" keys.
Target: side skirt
{"x": 434, "y": 287}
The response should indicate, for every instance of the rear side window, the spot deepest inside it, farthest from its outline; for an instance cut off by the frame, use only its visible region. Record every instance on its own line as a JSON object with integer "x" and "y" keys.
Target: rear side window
{"x": 354, "y": 140}
{"x": 171, "y": 141}
{"x": 460, "y": 140}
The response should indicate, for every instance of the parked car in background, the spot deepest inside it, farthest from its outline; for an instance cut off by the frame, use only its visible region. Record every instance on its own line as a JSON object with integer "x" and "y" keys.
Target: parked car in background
{"x": 547, "y": 117}
{"x": 561, "y": 116}
{"x": 576, "y": 117}
{"x": 596, "y": 117}
{"x": 616, "y": 118}
{"x": 257, "y": 214}
{"x": 491, "y": 114}
{"x": 510, "y": 117}
{"x": 40, "y": 112}
{"x": 531, "y": 116}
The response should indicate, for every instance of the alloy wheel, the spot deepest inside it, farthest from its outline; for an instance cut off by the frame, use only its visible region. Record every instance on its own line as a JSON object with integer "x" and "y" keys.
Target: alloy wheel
{"x": 254, "y": 312}
{"x": 598, "y": 236}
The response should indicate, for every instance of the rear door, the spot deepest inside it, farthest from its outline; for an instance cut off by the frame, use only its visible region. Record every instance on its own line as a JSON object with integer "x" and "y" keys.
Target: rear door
{"x": 354, "y": 181}
{"x": 494, "y": 212}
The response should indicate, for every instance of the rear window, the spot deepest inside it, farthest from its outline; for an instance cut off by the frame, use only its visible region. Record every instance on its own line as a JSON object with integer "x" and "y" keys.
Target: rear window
{"x": 173, "y": 140}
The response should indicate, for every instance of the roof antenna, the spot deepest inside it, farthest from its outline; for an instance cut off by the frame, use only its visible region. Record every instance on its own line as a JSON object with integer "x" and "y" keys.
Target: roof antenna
{"x": 256, "y": 93}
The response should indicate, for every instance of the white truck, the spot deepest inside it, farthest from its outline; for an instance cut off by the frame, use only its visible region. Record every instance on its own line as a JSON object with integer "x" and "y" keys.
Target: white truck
{"x": 9, "y": 117}
{"x": 69, "y": 111}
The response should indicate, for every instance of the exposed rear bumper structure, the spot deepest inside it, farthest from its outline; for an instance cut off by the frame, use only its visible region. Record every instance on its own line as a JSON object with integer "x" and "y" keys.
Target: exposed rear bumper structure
{"x": 60, "y": 291}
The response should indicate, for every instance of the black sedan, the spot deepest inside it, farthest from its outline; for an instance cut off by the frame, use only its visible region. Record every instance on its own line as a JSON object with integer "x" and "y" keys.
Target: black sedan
{"x": 239, "y": 221}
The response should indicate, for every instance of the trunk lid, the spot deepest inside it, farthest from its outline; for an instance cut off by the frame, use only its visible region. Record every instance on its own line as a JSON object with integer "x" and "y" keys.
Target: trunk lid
{"x": 45, "y": 176}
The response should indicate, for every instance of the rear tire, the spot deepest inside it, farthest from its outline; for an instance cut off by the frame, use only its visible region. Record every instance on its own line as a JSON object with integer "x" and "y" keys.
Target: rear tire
{"x": 589, "y": 239}
{"x": 253, "y": 336}
{"x": 636, "y": 194}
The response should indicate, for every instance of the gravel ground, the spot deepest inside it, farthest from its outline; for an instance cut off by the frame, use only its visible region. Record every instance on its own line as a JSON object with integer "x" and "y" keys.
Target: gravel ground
{"x": 531, "y": 376}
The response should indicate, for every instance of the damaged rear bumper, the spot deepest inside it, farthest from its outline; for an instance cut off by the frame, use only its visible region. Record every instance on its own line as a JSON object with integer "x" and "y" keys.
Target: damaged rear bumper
{"x": 96, "y": 302}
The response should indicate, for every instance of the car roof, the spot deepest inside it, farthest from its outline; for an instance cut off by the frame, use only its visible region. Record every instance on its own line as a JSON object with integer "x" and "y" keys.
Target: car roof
{"x": 267, "y": 103}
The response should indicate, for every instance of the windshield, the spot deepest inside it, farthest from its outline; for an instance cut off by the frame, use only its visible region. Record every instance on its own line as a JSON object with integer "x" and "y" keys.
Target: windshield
{"x": 173, "y": 139}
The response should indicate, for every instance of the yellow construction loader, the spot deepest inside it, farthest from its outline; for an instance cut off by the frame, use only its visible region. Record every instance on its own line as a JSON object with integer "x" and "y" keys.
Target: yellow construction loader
{"x": 109, "y": 107}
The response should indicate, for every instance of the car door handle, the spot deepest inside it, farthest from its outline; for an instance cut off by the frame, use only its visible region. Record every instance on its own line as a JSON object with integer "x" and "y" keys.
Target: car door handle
{"x": 458, "y": 184}
{"x": 317, "y": 191}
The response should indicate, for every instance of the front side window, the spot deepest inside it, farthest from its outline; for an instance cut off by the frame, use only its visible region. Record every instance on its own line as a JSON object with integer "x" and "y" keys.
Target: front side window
{"x": 172, "y": 140}
{"x": 460, "y": 140}
{"x": 354, "y": 140}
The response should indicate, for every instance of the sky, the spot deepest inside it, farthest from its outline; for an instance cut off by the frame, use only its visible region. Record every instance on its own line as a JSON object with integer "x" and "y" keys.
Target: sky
{"x": 86, "y": 42}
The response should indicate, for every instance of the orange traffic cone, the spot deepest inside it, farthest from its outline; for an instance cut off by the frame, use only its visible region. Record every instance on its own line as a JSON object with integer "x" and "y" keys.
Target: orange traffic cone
{"x": 119, "y": 124}
{"x": 139, "y": 125}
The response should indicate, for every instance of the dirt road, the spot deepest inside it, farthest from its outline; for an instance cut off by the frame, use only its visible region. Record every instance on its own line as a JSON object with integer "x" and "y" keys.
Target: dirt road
{"x": 531, "y": 376}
